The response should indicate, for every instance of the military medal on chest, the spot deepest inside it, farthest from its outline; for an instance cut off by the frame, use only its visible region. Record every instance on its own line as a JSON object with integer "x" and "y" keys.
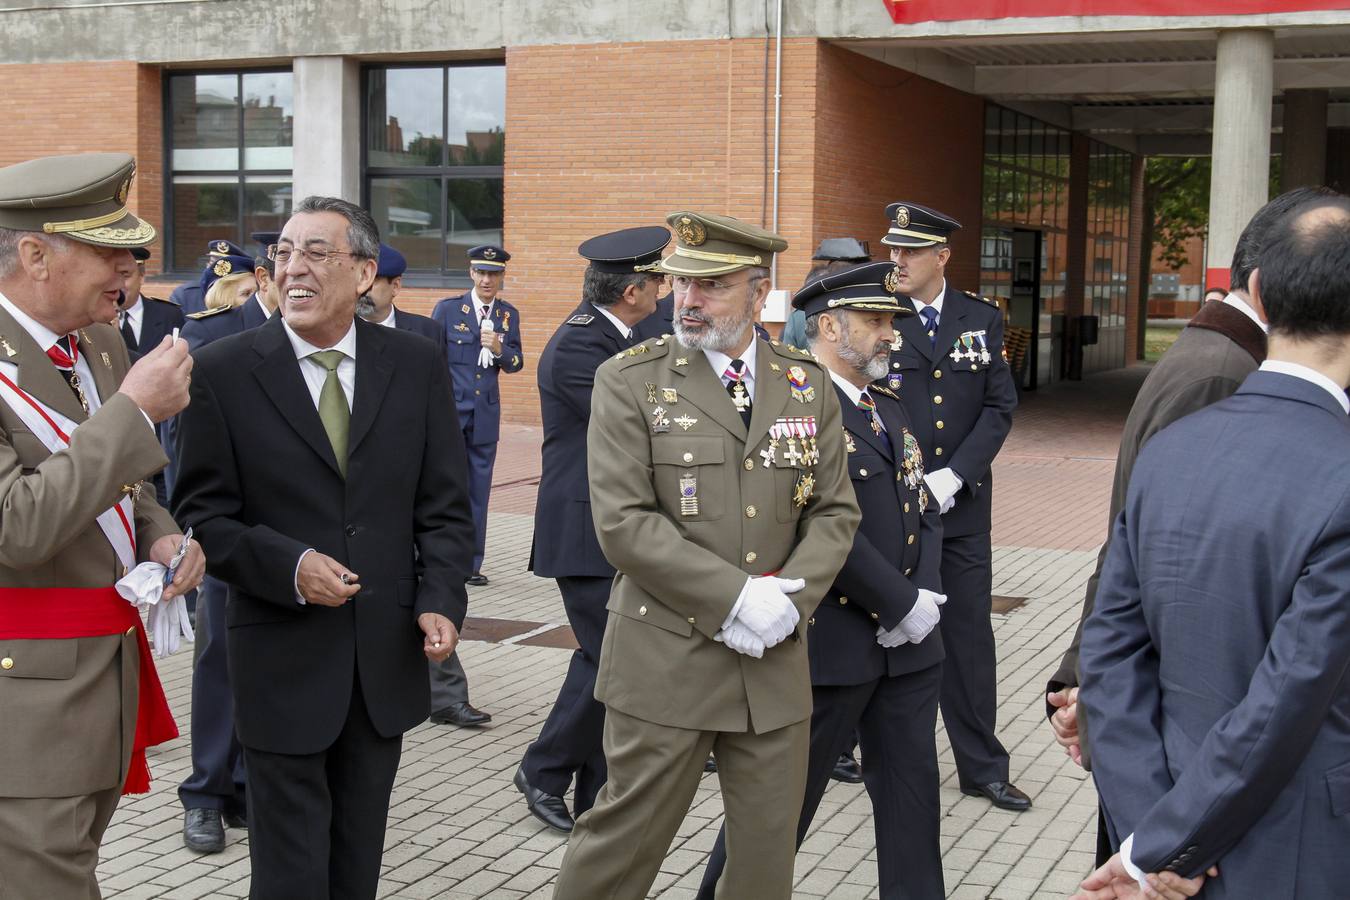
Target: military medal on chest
{"x": 799, "y": 386}
{"x": 688, "y": 494}
{"x": 805, "y": 487}
{"x": 797, "y": 434}
{"x": 912, "y": 461}
{"x": 985, "y": 356}
{"x": 740, "y": 397}
{"x": 660, "y": 420}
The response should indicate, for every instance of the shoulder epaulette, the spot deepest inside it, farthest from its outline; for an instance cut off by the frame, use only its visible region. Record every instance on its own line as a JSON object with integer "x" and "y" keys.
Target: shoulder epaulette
{"x": 882, "y": 389}
{"x": 208, "y": 313}
{"x": 787, "y": 351}
{"x": 652, "y": 348}
{"x": 581, "y": 319}
{"x": 974, "y": 296}
{"x": 160, "y": 300}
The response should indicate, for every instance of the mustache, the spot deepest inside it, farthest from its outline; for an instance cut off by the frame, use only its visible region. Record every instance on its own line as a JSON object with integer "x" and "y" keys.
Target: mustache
{"x": 697, "y": 315}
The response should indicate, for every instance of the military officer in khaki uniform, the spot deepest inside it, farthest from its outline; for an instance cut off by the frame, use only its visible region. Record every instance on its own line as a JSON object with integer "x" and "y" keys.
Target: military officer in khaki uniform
{"x": 720, "y": 493}
{"x": 77, "y": 441}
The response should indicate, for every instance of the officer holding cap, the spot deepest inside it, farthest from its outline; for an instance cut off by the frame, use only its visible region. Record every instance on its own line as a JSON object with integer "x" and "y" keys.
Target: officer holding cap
{"x": 482, "y": 340}
{"x": 719, "y": 491}
{"x": 949, "y": 370}
{"x": 619, "y": 290}
{"x": 874, "y": 646}
{"x": 78, "y": 687}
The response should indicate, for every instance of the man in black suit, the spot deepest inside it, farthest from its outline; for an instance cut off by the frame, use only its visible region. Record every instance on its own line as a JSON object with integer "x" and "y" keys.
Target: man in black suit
{"x": 618, "y": 293}
{"x": 874, "y": 645}
{"x": 214, "y": 795}
{"x": 948, "y": 368}
{"x": 319, "y": 463}
{"x": 449, "y": 684}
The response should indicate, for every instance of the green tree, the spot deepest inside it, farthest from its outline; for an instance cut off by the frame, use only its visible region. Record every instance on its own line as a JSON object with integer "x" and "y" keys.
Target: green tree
{"x": 1176, "y": 204}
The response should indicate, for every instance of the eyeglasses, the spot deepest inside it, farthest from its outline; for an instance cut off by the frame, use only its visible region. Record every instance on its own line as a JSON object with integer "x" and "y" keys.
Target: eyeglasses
{"x": 318, "y": 256}
{"x": 710, "y": 287}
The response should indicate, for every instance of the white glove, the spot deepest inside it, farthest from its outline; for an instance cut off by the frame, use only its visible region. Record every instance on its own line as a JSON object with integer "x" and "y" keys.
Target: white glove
{"x": 741, "y": 639}
{"x": 485, "y": 358}
{"x": 169, "y": 625}
{"x": 943, "y": 485}
{"x": 765, "y": 609}
{"x": 891, "y": 639}
{"x": 924, "y": 617}
{"x": 143, "y": 585}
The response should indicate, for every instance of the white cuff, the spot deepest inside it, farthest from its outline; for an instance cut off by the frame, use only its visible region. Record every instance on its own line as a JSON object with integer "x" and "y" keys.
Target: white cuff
{"x": 1125, "y": 847}
{"x": 736, "y": 607}
{"x": 296, "y": 580}
{"x": 148, "y": 420}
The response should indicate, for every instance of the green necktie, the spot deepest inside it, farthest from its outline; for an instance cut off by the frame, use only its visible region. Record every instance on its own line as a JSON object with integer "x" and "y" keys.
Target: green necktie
{"x": 333, "y": 411}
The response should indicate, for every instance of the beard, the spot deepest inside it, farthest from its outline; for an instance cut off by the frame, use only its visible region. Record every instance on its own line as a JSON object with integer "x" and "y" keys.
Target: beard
{"x": 874, "y": 364}
{"x": 365, "y": 307}
{"x": 717, "y": 333}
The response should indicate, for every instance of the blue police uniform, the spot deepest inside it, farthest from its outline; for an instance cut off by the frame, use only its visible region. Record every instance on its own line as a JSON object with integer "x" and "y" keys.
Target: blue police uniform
{"x": 565, "y": 546}
{"x": 477, "y": 396}
{"x": 959, "y": 393}
{"x": 192, "y": 296}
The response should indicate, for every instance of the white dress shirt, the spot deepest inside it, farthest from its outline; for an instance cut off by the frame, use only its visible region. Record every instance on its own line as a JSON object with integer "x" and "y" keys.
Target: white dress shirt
{"x": 1239, "y": 304}
{"x": 315, "y": 374}
{"x": 389, "y": 319}
{"x": 46, "y": 339}
{"x": 920, "y": 306}
{"x": 618, "y": 323}
{"x": 720, "y": 362}
{"x": 135, "y": 314}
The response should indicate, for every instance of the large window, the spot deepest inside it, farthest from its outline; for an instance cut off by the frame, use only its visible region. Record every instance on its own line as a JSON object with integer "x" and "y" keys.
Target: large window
{"x": 435, "y": 141}
{"x": 1106, "y": 279}
{"x": 229, "y": 159}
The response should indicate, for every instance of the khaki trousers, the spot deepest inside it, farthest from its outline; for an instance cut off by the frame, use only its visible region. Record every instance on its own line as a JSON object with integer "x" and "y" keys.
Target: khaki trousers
{"x": 617, "y": 847}
{"x": 49, "y": 845}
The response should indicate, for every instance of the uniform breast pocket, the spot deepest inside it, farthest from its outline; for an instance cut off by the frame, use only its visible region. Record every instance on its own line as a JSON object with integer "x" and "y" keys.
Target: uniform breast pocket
{"x": 793, "y": 481}
{"x": 28, "y": 449}
{"x": 864, "y": 466}
{"x": 688, "y": 471}
{"x": 462, "y": 351}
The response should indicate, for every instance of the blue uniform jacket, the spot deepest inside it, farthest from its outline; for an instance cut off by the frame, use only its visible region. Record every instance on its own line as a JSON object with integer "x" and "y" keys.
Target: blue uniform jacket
{"x": 960, "y": 409}
{"x": 1216, "y": 661}
{"x": 477, "y": 397}
{"x": 897, "y": 550}
{"x": 564, "y": 533}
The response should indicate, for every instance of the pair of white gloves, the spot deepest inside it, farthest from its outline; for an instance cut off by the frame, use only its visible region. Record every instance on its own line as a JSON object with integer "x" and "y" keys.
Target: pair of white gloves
{"x": 168, "y": 623}
{"x": 917, "y": 624}
{"x": 763, "y": 615}
{"x": 943, "y": 485}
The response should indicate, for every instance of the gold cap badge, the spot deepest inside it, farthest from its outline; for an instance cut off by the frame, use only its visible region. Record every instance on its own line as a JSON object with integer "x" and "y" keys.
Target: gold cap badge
{"x": 691, "y": 231}
{"x": 222, "y": 247}
{"x": 221, "y": 268}
{"x": 892, "y": 282}
{"x": 902, "y": 217}
{"x": 489, "y": 253}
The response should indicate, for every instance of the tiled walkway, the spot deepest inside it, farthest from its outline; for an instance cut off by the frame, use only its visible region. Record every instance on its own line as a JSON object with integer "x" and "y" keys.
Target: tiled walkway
{"x": 459, "y": 829}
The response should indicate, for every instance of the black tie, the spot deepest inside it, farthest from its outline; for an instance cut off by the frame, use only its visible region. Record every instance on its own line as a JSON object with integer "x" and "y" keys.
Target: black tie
{"x": 128, "y": 334}
{"x": 735, "y": 375}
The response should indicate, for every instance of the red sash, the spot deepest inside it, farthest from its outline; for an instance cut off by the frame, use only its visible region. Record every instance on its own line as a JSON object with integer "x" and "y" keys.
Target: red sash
{"x": 47, "y": 613}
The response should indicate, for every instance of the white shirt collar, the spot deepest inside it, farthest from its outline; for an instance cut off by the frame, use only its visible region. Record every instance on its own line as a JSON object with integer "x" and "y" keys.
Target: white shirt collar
{"x": 135, "y": 310}
{"x": 304, "y": 348}
{"x": 920, "y": 306}
{"x": 624, "y": 330}
{"x": 478, "y": 304}
{"x": 389, "y": 319}
{"x": 720, "y": 362}
{"x": 45, "y": 337}
{"x": 851, "y": 390}
{"x": 1297, "y": 371}
{"x": 1235, "y": 301}
{"x": 267, "y": 313}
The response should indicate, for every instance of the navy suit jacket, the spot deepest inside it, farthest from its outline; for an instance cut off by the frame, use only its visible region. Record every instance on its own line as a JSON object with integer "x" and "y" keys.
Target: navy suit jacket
{"x": 1215, "y": 659}
{"x": 973, "y": 399}
{"x": 427, "y": 327}
{"x": 158, "y": 320}
{"x": 476, "y": 393}
{"x": 190, "y": 297}
{"x": 199, "y": 332}
{"x": 564, "y": 534}
{"x": 259, "y": 481}
{"x": 896, "y": 551}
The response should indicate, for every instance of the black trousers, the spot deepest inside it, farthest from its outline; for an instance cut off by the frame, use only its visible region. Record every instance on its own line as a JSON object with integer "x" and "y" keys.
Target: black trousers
{"x": 569, "y": 744}
{"x": 969, "y": 674}
{"x": 316, "y": 821}
{"x": 217, "y": 779}
{"x": 894, "y": 718}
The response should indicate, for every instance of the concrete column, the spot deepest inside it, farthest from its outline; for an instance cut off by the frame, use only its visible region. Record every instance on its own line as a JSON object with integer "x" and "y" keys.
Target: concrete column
{"x": 327, "y": 131}
{"x": 1305, "y": 139}
{"x": 1239, "y": 186}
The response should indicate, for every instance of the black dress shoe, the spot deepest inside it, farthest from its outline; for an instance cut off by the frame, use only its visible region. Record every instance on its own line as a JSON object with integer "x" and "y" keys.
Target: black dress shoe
{"x": 236, "y": 820}
{"x": 1002, "y": 794}
{"x": 203, "y": 831}
{"x": 477, "y": 579}
{"x": 847, "y": 770}
{"x": 461, "y": 714}
{"x": 547, "y": 808}
{"x": 710, "y": 765}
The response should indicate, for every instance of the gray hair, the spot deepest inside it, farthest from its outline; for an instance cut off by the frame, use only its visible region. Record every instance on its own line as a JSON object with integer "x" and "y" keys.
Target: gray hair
{"x": 362, "y": 232}
{"x": 9, "y": 247}
{"x": 606, "y": 288}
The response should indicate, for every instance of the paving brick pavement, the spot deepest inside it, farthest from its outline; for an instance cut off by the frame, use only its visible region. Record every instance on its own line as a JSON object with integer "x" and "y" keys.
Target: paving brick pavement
{"x": 458, "y": 828}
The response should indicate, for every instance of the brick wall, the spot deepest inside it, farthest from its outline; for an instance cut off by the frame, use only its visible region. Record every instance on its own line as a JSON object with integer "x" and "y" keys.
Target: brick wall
{"x": 870, "y": 153}
{"x": 84, "y": 108}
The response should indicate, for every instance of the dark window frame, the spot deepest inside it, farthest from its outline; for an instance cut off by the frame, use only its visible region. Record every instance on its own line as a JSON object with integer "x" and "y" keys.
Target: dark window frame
{"x": 444, "y": 173}
{"x": 172, "y": 266}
